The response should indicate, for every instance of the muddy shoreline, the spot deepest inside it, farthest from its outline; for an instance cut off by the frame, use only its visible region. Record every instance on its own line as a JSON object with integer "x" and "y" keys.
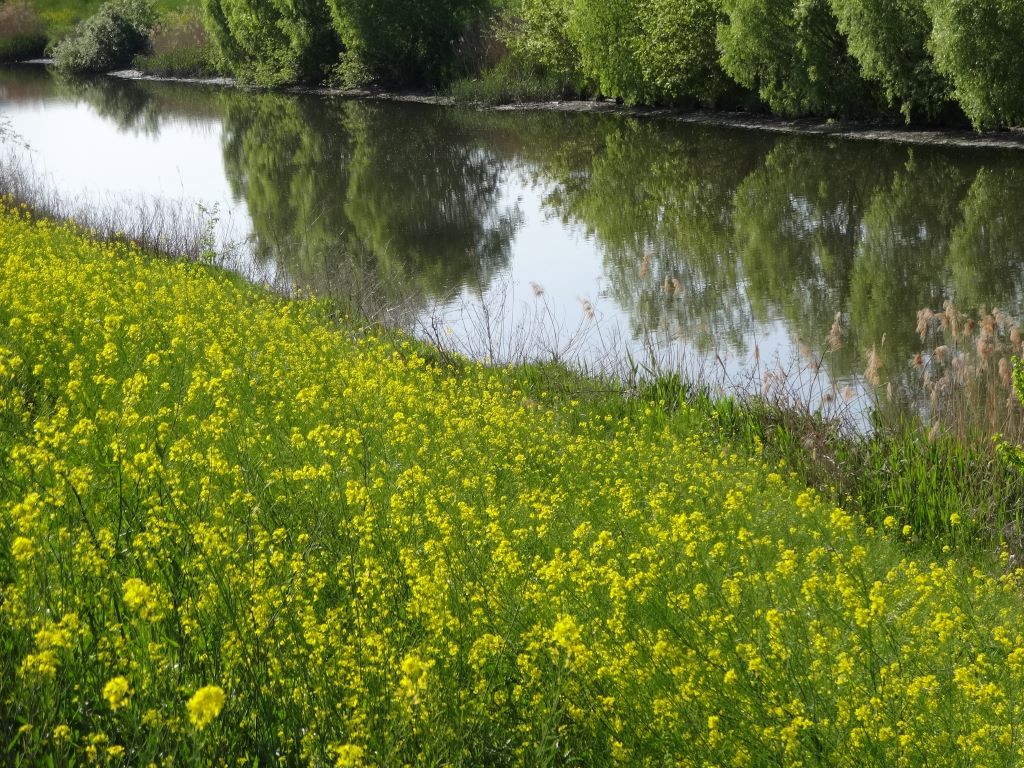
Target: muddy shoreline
{"x": 841, "y": 129}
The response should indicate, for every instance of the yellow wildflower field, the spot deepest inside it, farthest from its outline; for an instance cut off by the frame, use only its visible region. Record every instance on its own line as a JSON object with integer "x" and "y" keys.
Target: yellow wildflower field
{"x": 236, "y": 531}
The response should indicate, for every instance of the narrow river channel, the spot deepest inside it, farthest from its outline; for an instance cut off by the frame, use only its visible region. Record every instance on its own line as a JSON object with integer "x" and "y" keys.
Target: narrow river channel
{"x": 597, "y": 238}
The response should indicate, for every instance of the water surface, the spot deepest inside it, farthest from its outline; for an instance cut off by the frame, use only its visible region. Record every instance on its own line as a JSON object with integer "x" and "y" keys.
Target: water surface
{"x": 599, "y": 238}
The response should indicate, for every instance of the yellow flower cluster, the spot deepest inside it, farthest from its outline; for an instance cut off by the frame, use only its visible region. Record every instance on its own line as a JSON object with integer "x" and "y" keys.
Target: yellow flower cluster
{"x": 205, "y": 705}
{"x": 117, "y": 692}
{"x": 387, "y": 560}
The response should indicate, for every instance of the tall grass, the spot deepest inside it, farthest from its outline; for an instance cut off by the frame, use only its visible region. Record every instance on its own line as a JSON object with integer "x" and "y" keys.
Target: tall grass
{"x": 22, "y": 32}
{"x": 180, "y": 46}
{"x": 177, "y": 228}
{"x": 513, "y": 80}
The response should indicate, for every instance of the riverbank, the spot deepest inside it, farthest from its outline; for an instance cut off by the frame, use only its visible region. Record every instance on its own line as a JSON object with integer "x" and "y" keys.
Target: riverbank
{"x": 888, "y": 132}
{"x": 235, "y": 519}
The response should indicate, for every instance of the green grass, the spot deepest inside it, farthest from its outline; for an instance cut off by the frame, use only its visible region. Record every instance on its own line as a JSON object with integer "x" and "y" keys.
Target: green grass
{"x": 60, "y": 16}
{"x": 236, "y": 527}
{"x": 513, "y": 81}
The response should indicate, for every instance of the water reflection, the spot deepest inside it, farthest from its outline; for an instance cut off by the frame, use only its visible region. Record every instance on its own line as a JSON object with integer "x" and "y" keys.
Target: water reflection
{"x": 340, "y": 188}
{"x": 709, "y": 238}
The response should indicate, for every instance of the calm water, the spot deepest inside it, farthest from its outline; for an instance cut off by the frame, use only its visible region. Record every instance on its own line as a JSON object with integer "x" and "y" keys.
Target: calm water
{"x": 590, "y": 236}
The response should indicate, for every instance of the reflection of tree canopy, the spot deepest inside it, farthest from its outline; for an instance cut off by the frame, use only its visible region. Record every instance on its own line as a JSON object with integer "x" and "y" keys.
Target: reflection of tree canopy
{"x": 755, "y": 228}
{"x": 900, "y": 264}
{"x": 986, "y": 253}
{"x": 810, "y": 228}
{"x": 423, "y": 193}
{"x": 399, "y": 190}
{"x": 659, "y": 200}
{"x": 133, "y": 106}
{"x": 797, "y": 220}
{"x": 123, "y": 102}
{"x": 25, "y": 84}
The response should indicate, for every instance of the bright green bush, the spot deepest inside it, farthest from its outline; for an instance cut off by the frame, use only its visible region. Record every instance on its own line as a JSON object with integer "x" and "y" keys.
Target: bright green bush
{"x": 272, "y": 42}
{"x": 639, "y": 50}
{"x": 402, "y": 42}
{"x": 792, "y": 53}
{"x": 979, "y": 46}
{"x": 540, "y": 34}
{"x": 677, "y": 51}
{"x": 606, "y": 32}
{"x": 107, "y": 40}
{"x": 889, "y": 40}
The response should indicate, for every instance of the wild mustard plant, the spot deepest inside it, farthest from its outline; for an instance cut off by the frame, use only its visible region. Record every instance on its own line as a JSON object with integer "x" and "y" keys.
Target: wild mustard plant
{"x": 234, "y": 531}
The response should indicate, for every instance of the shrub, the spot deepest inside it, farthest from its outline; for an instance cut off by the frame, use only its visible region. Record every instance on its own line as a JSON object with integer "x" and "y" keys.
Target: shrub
{"x": 977, "y": 45}
{"x": 22, "y": 34}
{"x": 107, "y": 40}
{"x": 272, "y": 42}
{"x": 403, "y": 42}
{"x": 605, "y": 32}
{"x": 539, "y": 33}
{"x": 677, "y": 51}
{"x": 792, "y": 53}
{"x": 639, "y": 50}
{"x": 889, "y": 40}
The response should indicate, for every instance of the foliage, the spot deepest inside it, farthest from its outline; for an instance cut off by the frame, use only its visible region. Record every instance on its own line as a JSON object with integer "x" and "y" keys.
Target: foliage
{"x": 605, "y": 34}
{"x": 108, "y": 39}
{"x": 889, "y": 40}
{"x": 232, "y": 529}
{"x": 22, "y": 34}
{"x": 403, "y": 42}
{"x": 676, "y": 50}
{"x": 539, "y": 33}
{"x": 792, "y": 53}
{"x": 272, "y": 42}
{"x": 638, "y": 50}
{"x": 977, "y": 45}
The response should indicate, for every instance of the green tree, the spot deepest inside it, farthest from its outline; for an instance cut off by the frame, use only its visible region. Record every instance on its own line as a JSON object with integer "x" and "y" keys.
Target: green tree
{"x": 402, "y": 42}
{"x": 606, "y": 33}
{"x": 272, "y": 42}
{"x": 538, "y": 32}
{"x": 889, "y": 39}
{"x": 677, "y": 51}
{"x": 792, "y": 53}
{"x": 978, "y": 45}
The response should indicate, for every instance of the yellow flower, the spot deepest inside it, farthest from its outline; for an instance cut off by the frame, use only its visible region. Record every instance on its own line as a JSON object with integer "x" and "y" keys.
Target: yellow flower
{"x": 349, "y": 756}
{"x": 141, "y": 597}
{"x": 117, "y": 692}
{"x": 22, "y": 549}
{"x": 205, "y": 705}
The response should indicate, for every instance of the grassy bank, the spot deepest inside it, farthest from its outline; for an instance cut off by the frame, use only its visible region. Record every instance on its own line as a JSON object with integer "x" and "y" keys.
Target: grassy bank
{"x": 234, "y": 526}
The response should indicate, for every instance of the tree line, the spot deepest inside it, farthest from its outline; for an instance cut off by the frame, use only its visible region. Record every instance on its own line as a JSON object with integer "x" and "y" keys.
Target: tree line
{"x": 927, "y": 60}
{"x": 856, "y": 58}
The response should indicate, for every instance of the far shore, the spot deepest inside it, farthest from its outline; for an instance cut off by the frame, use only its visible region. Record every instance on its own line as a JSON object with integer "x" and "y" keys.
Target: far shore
{"x": 840, "y": 129}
